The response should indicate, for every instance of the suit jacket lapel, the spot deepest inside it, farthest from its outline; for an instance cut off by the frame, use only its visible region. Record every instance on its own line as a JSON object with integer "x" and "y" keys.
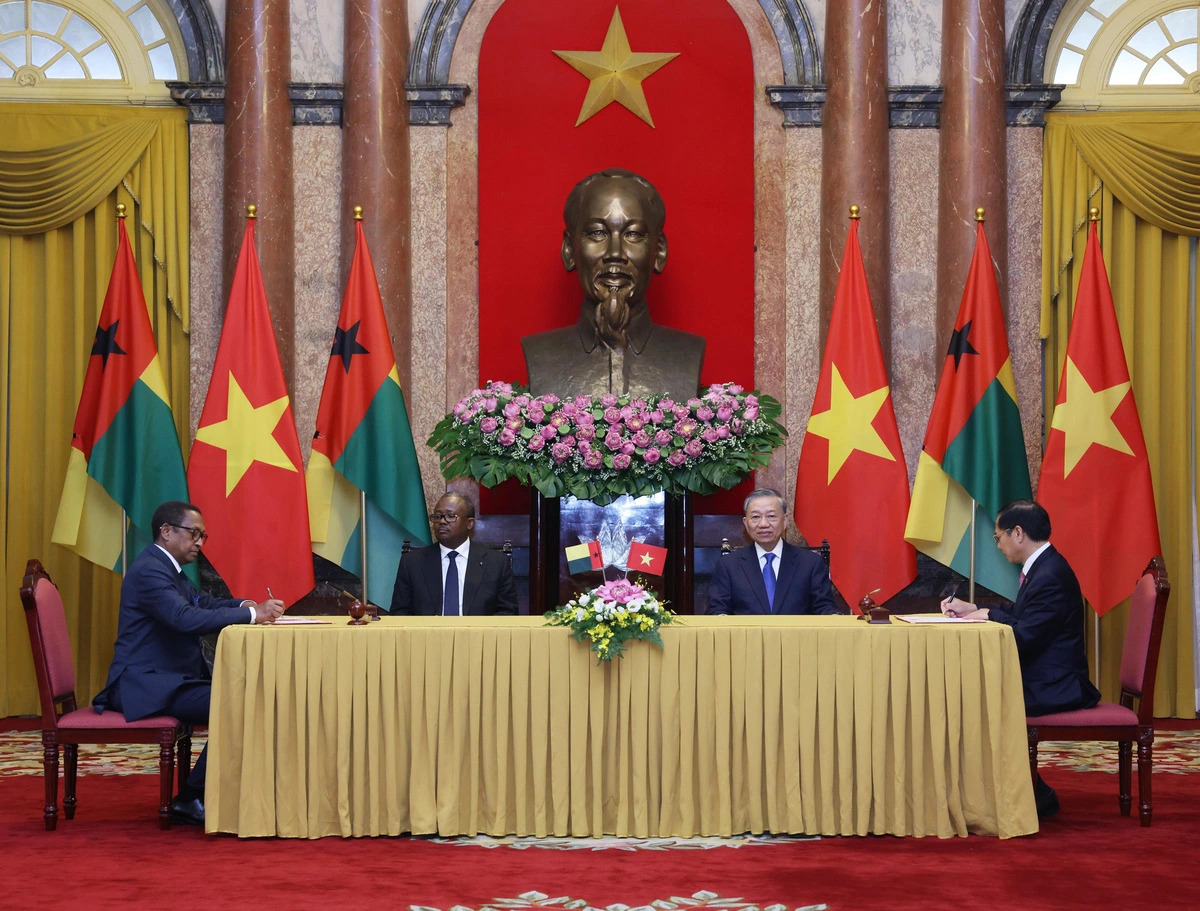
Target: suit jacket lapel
{"x": 471, "y": 582}
{"x": 433, "y": 576}
{"x": 749, "y": 557}
{"x": 788, "y": 561}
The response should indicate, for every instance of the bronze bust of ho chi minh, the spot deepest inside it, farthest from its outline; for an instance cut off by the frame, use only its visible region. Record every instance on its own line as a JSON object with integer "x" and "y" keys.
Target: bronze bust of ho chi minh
{"x": 614, "y": 239}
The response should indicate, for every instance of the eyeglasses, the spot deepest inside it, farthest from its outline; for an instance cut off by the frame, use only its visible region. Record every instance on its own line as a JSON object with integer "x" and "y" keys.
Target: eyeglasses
{"x": 448, "y": 516}
{"x": 197, "y": 534}
{"x": 1004, "y": 531}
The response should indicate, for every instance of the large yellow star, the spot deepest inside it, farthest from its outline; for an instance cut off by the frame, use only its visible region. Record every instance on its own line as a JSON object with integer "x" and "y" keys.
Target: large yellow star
{"x": 1085, "y": 417}
{"x": 848, "y": 424}
{"x": 616, "y": 73}
{"x": 246, "y": 435}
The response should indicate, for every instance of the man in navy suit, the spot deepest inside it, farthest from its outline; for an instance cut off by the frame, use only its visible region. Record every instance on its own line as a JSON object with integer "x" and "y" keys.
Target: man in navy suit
{"x": 772, "y": 577}
{"x": 1047, "y": 619}
{"x": 157, "y": 667}
{"x": 454, "y": 577}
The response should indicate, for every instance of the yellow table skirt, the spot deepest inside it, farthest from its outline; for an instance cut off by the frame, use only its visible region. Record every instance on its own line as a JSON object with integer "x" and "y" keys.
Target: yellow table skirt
{"x": 820, "y": 725}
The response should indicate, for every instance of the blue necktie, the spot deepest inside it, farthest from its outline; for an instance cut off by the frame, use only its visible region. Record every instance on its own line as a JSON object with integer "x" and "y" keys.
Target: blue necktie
{"x": 450, "y": 594}
{"x": 769, "y": 580}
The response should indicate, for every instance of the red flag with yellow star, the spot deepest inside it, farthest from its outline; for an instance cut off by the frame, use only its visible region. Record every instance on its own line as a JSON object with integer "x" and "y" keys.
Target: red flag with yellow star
{"x": 852, "y": 486}
{"x": 1095, "y": 480}
{"x": 245, "y": 472}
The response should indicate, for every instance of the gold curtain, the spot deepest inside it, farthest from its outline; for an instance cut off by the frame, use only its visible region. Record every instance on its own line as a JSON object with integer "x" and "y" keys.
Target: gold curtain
{"x": 63, "y": 170}
{"x": 1143, "y": 173}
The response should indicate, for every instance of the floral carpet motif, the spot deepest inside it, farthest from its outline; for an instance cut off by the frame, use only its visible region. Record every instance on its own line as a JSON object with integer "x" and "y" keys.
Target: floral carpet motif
{"x": 1175, "y": 752}
{"x": 531, "y": 901}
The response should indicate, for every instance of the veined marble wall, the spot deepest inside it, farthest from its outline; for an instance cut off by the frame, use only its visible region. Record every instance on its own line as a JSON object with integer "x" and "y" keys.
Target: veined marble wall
{"x": 445, "y": 337}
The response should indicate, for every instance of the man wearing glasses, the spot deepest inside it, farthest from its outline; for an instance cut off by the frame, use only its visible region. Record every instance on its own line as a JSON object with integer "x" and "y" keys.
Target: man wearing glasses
{"x": 1047, "y": 620}
{"x": 158, "y": 668}
{"x": 454, "y": 577}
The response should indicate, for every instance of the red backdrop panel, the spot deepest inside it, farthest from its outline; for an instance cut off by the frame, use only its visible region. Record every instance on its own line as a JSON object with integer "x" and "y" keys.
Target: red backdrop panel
{"x": 699, "y": 154}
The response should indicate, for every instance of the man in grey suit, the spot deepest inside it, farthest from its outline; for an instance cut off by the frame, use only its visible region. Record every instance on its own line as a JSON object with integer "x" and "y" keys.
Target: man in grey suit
{"x": 772, "y": 577}
{"x": 157, "y": 666}
{"x": 454, "y": 577}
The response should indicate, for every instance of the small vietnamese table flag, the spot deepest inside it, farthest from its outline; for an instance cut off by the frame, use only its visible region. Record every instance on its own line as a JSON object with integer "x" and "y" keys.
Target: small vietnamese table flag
{"x": 125, "y": 451}
{"x": 363, "y": 443}
{"x": 582, "y": 558}
{"x": 1095, "y": 480}
{"x": 974, "y": 447}
{"x": 245, "y": 473}
{"x": 852, "y": 483}
{"x": 646, "y": 558}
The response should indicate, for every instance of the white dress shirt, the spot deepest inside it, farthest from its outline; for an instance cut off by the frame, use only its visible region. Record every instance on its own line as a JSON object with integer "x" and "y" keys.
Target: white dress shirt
{"x": 463, "y": 550}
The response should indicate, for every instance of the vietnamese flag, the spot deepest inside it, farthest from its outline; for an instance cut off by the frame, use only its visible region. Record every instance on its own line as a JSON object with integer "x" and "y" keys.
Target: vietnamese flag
{"x": 646, "y": 558}
{"x": 974, "y": 449}
{"x": 852, "y": 484}
{"x": 245, "y": 472}
{"x": 1095, "y": 474}
{"x": 364, "y": 444}
{"x": 125, "y": 452}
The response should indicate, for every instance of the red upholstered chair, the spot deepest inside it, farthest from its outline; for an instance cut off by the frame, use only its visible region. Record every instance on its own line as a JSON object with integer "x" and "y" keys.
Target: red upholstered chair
{"x": 56, "y": 686}
{"x": 1119, "y": 722}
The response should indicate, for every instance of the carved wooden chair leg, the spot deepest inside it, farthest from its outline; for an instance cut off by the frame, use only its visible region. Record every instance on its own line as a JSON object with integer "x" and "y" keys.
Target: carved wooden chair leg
{"x": 1145, "y": 770}
{"x": 70, "y": 761}
{"x": 166, "y": 774}
{"x": 50, "y": 767}
{"x": 1125, "y": 774}
{"x": 184, "y": 759}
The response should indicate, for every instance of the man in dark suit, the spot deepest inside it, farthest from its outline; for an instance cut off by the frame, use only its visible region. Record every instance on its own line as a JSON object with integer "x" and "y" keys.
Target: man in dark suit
{"x": 772, "y": 577}
{"x": 157, "y": 667}
{"x": 454, "y": 577}
{"x": 1047, "y": 619}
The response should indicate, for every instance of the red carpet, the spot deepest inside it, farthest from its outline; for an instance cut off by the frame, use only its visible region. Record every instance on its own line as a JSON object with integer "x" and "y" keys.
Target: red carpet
{"x": 113, "y": 855}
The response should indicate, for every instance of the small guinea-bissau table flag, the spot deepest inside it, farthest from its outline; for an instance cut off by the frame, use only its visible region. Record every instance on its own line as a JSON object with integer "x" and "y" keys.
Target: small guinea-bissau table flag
{"x": 364, "y": 443}
{"x": 125, "y": 451}
{"x": 974, "y": 448}
{"x": 582, "y": 558}
{"x": 245, "y": 472}
{"x": 1095, "y": 480}
{"x": 852, "y": 484}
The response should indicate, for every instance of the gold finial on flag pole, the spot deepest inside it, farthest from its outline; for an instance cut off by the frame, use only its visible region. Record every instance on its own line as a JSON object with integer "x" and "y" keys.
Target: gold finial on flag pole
{"x": 854, "y": 213}
{"x": 1093, "y": 214}
{"x": 979, "y": 214}
{"x": 121, "y": 210}
{"x": 252, "y": 211}
{"x": 358, "y": 213}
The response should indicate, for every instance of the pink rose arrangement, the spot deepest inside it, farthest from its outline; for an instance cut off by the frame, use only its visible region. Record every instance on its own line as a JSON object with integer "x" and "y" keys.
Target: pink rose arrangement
{"x": 600, "y": 448}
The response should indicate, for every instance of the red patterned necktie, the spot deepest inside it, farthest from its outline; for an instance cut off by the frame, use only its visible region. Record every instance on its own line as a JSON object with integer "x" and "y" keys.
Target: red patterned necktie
{"x": 1022, "y": 581}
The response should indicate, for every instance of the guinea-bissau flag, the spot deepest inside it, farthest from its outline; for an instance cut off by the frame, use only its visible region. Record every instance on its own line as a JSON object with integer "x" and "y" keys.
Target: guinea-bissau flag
{"x": 974, "y": 448}
{"x": 1095, "y": 480}
{"x": 245, "y": 472}
{"x": 364, "y": 444}
{"x": 852, "y": 484}
{"x": 125, "y": 451}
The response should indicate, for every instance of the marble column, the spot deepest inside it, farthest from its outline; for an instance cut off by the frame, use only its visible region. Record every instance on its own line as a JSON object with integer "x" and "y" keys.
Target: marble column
{"x": 375, "y": 158}
{"x": 854, "y": 129}
{"x": 258, "y": 157}
{"x": 973, "y": 157}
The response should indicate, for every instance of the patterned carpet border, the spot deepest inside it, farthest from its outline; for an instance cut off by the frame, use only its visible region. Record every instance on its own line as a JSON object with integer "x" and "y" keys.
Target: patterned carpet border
{"x": 532, "y": 901}
{"x": 700, "y": 843}
{"x": 1175, "y": 752}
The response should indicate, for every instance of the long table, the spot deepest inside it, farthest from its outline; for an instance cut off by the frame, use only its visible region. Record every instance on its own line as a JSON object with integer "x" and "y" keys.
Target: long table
{"x": 819, "y": 725}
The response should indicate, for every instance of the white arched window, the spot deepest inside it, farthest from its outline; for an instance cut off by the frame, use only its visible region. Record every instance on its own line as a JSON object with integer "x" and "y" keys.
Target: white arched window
{"x": 76, "y": 50}
{"x": 1127, "y": 53}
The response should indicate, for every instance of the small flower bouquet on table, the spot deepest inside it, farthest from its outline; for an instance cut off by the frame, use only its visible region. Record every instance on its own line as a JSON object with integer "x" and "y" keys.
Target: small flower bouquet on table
{"x": 611, "y": 615}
